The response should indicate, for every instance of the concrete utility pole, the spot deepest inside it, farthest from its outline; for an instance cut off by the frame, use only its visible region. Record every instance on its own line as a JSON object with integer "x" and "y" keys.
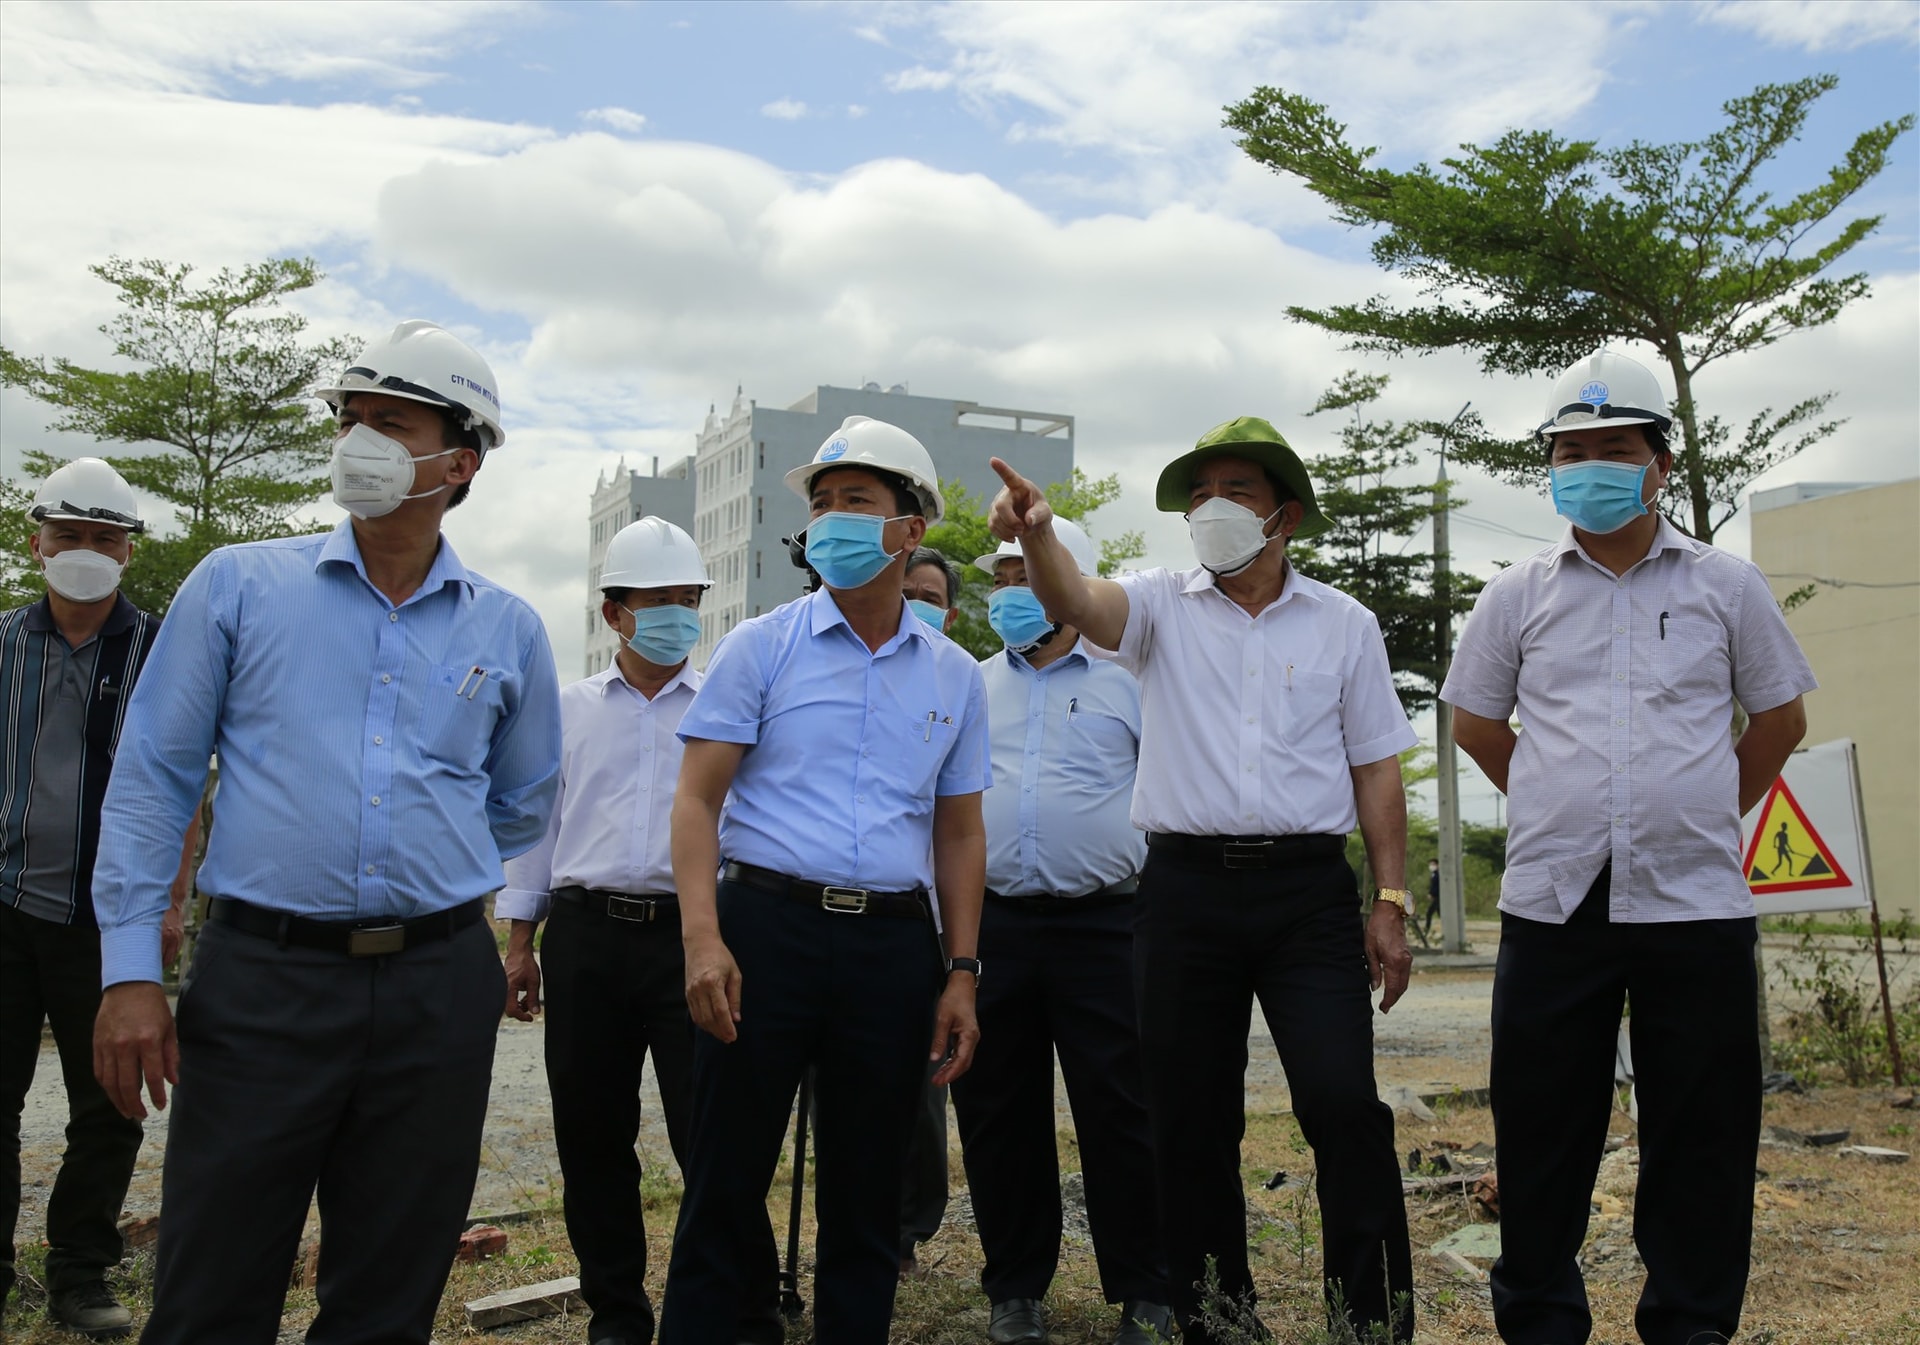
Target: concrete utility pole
{"x": 1453, "y": 894}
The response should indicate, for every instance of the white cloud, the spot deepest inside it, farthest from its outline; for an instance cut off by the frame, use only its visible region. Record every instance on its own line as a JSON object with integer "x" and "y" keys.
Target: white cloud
{"x": 1822, "y": 25}
{"x": 918, "y": 78}
{"x": 784, "y": 109}
{"x": 855, "y": 111}
{"x": 619, "y": 118}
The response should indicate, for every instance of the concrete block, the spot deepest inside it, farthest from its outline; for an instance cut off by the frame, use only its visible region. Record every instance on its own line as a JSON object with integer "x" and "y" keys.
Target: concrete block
{"x": 525, "y": 1304}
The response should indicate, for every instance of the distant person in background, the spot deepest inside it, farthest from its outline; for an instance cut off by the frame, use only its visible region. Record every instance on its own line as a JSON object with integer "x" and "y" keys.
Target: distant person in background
{"x": 1624, "y": 647}
{"x": 69, "y": 663}
{"x": 1433, "y": 901}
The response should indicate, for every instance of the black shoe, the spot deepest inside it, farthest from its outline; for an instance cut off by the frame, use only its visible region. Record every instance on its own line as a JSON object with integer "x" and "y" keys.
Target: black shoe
{"x": 1144, "y": 1323}
{"x": 90, "y": 1310}
{"x": 1018, "y": 1321}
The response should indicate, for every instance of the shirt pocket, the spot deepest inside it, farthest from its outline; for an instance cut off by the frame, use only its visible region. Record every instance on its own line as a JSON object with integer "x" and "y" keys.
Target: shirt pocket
{"x": 1100, "y": 750}
{"x": 919, "y": 749}
{"x": 1690, "y": 658}
{"x": 463, "y": 706}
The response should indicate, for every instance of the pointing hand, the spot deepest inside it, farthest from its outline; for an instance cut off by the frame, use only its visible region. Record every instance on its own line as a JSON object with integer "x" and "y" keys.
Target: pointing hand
{"x": 1019, "y": 508}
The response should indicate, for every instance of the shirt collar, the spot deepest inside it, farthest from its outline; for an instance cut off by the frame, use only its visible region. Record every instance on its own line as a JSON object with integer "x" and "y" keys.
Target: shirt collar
{"x": 823, "y": 614}
{"x": 688, "y": 677}
{"x": 1666, "y": 537}
{"x": 343, "y": 548}
{"x": 1202, "y": 580}
{"x": 40, "y": 616}
{"x": 1020, "y": 661}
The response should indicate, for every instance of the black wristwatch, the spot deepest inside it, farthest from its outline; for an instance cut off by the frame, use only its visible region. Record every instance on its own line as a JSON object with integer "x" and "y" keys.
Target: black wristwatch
{"x": 971, "y": 964}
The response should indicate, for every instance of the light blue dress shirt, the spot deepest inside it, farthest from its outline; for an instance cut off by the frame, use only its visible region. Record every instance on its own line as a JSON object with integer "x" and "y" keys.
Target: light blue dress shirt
{"x": 374, "y": 761}
{"x": 848, "y": 747}
{"x": 1065, "y": 738}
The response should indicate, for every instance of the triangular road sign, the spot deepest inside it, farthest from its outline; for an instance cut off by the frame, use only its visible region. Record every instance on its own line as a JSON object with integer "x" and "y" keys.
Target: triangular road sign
{"x": 1786, "y": 854}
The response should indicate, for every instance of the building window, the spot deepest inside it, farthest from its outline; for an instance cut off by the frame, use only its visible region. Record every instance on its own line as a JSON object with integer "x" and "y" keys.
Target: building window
{"x": 763, "y": 466}
{"x": 759, "y": 509}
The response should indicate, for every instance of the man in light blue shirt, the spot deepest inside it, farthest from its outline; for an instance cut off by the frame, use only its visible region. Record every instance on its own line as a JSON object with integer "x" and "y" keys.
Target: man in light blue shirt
{"x": 1063, "y": 865}
{"x": 848, "y": 743}
{"x": 387, "y": 730}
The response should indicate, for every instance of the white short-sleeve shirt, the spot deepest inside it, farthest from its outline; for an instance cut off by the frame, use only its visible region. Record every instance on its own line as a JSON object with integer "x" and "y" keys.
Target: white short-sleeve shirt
{"x": 1249, "y": 724}
{"x": 1625, "y": 685}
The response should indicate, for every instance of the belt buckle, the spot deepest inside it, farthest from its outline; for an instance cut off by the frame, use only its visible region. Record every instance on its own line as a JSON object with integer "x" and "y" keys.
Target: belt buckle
{"x": 636, "y": 910}
{"x": 376, "y": 940}
{"x": 1246, "y": 854}
{"x": 844, "y": 900}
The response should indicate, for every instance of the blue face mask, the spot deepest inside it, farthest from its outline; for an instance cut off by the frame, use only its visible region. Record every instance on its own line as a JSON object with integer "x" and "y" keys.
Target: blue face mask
{"x": 1599, "y": 497}
{"x": 927, "y": 612}
{"x": 1017, "y": 617}
{"x": 845, "y": 549}
{"x": 664, "y": 635}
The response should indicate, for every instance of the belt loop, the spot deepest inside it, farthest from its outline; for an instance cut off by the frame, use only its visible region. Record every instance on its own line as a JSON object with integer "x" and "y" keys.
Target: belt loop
{"x": 286, "y": 924}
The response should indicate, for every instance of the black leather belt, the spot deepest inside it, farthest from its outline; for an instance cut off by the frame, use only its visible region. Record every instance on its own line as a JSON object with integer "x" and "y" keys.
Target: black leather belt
{"x": 840, "y": 900}
{"x": 1113, "y": 894}
{"x": 1247, "y": 852}
{"x": 357, "y": 938}
{"x": 640, "y": 909}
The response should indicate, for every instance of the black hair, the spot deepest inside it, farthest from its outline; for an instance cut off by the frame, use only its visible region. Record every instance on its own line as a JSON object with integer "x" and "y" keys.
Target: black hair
{"x": 905, "y": 499}
{"x": 926, "y": 555}
{"x": 1656, "y": 438}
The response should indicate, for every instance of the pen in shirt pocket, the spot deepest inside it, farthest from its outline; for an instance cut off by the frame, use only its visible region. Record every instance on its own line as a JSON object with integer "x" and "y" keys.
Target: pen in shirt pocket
{"x": 1072, "y": 705}
{"x": 477, "y": 676}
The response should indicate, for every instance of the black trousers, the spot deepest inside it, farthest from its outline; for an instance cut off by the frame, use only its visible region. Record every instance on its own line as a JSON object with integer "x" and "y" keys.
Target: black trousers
{"x": 615, "y": 990}
{"x": 853, "y": 997}
{"x": 1059, "y": 977}
{"x": 51, "y": 972}
{"x": 1557, "y": 996}
{"x": 923, "y": 1176}
{"x": 1208, "y": 942}
{"x": 363, "y": 1078}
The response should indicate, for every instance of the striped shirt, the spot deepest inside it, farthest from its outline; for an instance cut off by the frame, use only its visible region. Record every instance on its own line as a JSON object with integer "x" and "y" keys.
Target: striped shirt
{"x": 64, "y": 709}
{"x": 376, "y": 761}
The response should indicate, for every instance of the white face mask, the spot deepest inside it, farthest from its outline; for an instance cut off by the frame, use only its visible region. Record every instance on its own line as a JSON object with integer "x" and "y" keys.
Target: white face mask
{"x": 373, "y": 473}
{"x": 83, "y": 576}
{"x": 1228, "y": 537}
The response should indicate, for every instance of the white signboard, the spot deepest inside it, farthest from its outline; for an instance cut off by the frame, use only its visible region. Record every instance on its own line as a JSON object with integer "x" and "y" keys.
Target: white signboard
{"x": 1803, "y": 846}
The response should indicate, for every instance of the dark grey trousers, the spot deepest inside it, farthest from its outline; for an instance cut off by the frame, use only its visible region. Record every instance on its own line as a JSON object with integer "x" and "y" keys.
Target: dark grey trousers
{"x": 362, "y": 1078}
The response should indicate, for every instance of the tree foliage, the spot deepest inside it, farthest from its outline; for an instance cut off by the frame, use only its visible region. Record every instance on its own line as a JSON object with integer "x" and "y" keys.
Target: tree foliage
{"x": 964, "y": 534}
{"x": 1535, "y": 250}
{"x": 216, "y": 395}
{"x": 1376, "y": 515}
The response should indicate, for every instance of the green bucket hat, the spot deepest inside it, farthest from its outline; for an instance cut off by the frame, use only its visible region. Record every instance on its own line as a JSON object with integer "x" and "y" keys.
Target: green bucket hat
{"x": 1255, "y": 440}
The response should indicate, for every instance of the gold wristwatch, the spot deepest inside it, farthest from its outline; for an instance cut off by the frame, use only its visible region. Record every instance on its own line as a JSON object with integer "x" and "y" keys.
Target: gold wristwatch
{"x": 1399, "y": 896}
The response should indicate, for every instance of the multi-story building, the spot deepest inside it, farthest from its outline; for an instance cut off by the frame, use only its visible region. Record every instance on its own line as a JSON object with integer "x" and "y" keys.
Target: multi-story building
{"x": 1857, "y": 546}
{"x": 738, "y": 507}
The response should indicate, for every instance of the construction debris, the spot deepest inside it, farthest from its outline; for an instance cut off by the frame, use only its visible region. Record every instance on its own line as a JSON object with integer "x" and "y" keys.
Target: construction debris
{"x": 480, "y": 1242}
{"x": 1873, "y": 1153}
{"x": 1486, "y": 1193}
{"x": 1404, "y": 1099}
{"x": 525, "y": 1304}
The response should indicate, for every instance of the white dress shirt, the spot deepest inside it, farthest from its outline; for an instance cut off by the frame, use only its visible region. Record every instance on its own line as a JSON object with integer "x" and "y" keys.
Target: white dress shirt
{"x": 619, "y": 764}
{"x": 1625, "y": 688}
{"x": 1065, "y": 739}
{"x": 1251, "y": 723}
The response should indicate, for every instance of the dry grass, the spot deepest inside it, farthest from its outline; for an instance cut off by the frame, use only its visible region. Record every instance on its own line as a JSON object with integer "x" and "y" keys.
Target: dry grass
{"x": 1836, "y": 1248}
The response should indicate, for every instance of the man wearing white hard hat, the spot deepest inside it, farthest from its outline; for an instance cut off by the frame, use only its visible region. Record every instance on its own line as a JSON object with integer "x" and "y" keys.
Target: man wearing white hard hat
{"x": 610, "y": 971}
{"x": 70, "y": 662}
{"x": 1269, "y": 730}
{"x": 1623, "y": 649}
{"x": 1063, "y": 874}
{"x": 388, "y": 731}
{"x": 847, "y": 743}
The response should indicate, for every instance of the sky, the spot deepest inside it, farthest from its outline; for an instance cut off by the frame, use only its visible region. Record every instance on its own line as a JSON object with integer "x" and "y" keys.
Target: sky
{"x": 631, "y": 209}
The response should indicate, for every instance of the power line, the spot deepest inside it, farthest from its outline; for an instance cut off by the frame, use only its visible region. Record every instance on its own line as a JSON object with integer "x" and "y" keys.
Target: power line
{"x": 1844, "y": 583}
{"x": 1858, "y": 625}
{"x": 1501, "y": 527}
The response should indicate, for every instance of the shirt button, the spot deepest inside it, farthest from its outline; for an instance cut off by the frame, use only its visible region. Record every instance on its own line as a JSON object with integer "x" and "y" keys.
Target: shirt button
{"x": 369, "y": 870}
{"x": 385, "y": 678}
{"x": 1250, "y": 719}
{"x": 1619, "y": 721}
{"x": 377, "y": 740}
{"x": 1619, "y": 770}
{"x": 859, "y": 798}
{"x": 648, "y": 748}
{"x": 376, "y": 800}
{"x": 1619, "y": 630}
{"x": 393, "y": 616}
{"x": 1619, "y": 677}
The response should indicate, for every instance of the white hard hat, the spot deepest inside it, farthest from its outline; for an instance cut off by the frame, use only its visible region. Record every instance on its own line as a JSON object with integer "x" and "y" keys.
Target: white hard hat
{"x": 863, "y": 442}
{"x": 1605, "y": 387}
{"x": 89, "y": 491}
{"x": 652, "y": 553}
{"x": 1071, "y": 535}
{"x": 424, "y": 362}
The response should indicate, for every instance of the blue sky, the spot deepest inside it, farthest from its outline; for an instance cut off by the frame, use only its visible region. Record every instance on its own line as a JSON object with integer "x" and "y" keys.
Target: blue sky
{"x": 630, "y": 209}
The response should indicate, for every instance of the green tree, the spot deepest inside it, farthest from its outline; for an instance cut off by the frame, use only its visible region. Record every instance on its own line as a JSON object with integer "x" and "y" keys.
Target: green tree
{"x": 964, "y": 534}
{"x": 216, "y": 396}
{"x": 1536, "y": 250}
{"x": 1366, "y": 553}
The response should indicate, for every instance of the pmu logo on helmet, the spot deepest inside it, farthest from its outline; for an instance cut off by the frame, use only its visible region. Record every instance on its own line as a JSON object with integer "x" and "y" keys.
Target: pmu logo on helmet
{"x": 834, "y": 451}
{"x": 1594, "y": 393}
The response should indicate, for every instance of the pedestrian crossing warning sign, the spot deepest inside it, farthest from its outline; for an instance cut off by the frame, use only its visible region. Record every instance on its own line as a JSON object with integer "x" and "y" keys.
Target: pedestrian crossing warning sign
{"x": 1786, "y": 854}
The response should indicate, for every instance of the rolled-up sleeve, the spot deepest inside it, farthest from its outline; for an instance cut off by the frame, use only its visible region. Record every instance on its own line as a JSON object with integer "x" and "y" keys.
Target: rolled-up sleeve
{"x": 1484, "y": 679}
{"x": 523, "y": 765}
{"x": 159, "y": 771}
